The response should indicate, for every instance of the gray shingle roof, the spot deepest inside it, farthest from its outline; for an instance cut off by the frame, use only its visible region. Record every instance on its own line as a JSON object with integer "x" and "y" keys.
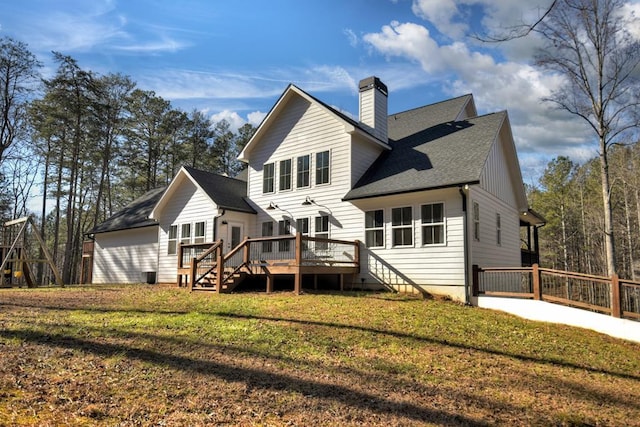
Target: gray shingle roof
{"x": 227, "y": 193}
{"x": 134, "y": 215}
{"x": 430, "y": 149}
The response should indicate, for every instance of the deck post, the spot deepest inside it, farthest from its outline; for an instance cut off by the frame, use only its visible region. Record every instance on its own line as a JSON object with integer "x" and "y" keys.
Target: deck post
{"x": 615, "y": 296}
{"x": 297, "y": 287}
{"x": 219, "y": 267}
{"x": 193, "y": 272}
{"x": 269, "y": 282}
{"x": 537, "y": 288}
{"x": 356, "y": 254}
{"x": 475, "y": 281}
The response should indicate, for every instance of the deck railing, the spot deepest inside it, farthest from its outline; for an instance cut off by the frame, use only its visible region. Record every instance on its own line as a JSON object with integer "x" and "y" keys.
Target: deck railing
{"x": 252, "y": 255}
{"x": 609, "y": 295}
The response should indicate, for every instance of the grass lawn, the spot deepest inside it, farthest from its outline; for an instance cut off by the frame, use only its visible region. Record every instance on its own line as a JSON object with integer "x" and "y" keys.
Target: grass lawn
{"x": 144, "y": 355}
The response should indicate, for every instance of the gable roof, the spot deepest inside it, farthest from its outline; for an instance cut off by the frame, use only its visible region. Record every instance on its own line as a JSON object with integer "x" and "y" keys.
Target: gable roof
{"x": 351, "y": 125}
{"x": 226, "y": 193}
{"x": 134, "y": 215}
{"x": 431, "y": 148}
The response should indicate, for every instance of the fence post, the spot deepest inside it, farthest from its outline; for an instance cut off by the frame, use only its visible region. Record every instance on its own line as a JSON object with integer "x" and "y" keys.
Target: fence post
{"x": 219, "y": 267}
{"x": 537, "y": 288}
{"x": 193, "y": 272}
{"x": 615, "y": 296}
{"x": 475, "y": 280}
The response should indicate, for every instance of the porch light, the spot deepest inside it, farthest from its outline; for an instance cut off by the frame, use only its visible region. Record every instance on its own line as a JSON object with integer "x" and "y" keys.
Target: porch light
{"x": 272, "y": 206}
{"x": 308, "y": 201}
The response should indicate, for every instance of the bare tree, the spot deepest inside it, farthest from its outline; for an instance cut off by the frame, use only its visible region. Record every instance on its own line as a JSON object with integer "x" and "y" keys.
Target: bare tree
{"x": 18, "y": 74}
{"x": 589, "y": 45}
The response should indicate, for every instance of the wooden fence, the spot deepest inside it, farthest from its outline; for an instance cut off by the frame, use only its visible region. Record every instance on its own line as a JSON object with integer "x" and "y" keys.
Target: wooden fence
{"x": 609, "y": 295}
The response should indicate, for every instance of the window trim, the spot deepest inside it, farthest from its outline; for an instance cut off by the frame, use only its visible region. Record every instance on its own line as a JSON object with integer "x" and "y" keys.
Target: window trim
{"x": 300, "y": 171}
{"x": 269, "y": 181}
{"x": 374, "y": 229}
{"x": 283, "y": 176}
{"x": 320, "y": 232}
{"x": 284, "y": 229}
{"x": 403, "y": 226}
{"x": 476, "y": 220}
{"x": 199, "y": 238}
{"x": 442, "y": 223}
{"x": 183, "y": 227}
{"x": 174, "y": 240}
{"x": 267, "y": 247}
{"x": 318, "y": 168}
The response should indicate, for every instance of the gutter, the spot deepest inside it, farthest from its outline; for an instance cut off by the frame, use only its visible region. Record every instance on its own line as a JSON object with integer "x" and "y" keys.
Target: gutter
{"x": 215, "y": 224}
{"x": 465, "y": 227}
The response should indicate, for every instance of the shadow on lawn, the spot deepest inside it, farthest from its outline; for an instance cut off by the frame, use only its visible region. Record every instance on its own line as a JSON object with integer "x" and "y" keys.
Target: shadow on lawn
{"x": 253, "y": 378}
{"x": 433, "y": 341}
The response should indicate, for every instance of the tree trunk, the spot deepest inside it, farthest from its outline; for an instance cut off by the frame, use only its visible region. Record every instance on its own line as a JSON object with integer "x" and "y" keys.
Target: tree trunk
{"x": 609, "y": 242}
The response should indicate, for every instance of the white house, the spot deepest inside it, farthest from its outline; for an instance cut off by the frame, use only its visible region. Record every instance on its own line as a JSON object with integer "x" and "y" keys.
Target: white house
{"x": 428, "y": 192}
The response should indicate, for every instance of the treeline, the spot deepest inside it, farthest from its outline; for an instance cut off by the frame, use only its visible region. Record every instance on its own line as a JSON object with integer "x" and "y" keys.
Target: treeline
{"x": 93, "y": 143}
{"x": 570, "y": 199}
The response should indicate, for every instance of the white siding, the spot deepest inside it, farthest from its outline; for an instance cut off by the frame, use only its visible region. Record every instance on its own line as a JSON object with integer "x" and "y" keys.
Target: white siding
{"x": 125, "y": 256}
{"x": 186, "y": 205}
{"x": 486, "y": 252}
{"x": 496, "y": 177}
{"x": 363, "y": 154}
{"x": 437, "y": 268}
{"x": 302, "y": 128}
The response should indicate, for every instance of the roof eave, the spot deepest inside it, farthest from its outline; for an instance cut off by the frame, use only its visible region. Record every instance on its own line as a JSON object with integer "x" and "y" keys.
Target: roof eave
{"x": 413, "y": 190}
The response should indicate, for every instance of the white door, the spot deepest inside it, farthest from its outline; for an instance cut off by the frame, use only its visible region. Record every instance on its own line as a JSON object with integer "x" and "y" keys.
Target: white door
{"x": 235, "y": 231}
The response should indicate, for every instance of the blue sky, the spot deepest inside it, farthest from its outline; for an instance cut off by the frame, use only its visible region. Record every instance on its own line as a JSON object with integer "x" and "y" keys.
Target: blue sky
{"x": 232, "y": 59}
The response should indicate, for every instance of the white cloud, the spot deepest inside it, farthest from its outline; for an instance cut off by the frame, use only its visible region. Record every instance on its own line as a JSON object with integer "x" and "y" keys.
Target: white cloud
{"x": 351, "y": 36}
{"x": 441, "y": 14}
{"x": 233, "y": 118}
{"x": 256, "y": 117}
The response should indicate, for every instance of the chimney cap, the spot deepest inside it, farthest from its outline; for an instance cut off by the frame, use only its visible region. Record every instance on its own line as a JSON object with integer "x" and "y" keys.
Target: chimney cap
{"x": 373, "y": 82}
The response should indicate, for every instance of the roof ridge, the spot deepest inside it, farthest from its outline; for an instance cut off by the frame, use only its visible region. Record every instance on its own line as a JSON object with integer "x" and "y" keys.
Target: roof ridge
{"x": 430, "y": 105}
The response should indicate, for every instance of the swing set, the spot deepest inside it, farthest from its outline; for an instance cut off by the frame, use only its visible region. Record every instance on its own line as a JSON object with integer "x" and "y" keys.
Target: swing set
{"x": 16, "y": 266}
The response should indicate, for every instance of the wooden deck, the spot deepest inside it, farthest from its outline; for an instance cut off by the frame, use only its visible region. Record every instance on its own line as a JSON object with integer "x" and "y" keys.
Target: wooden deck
{"x": 205, "y": 266}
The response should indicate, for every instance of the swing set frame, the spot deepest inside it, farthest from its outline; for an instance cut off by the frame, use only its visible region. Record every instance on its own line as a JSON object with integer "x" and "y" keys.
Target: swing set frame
{"x": 14, "y": 258}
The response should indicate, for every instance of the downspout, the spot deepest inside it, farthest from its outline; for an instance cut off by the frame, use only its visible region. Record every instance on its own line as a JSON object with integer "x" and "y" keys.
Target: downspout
{"x": 465, "y": 226}
{"x": 215, "y": 224}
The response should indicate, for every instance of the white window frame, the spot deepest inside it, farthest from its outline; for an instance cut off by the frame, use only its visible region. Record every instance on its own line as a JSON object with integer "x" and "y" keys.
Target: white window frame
{"x": 269, "y": 181}
{"x": 284, "y": 229}
{"x": 402, "y": 226}
{"x": 267, "y": 231}
{"x": 432, "y": 224}
{"x": 319, "y": 168}
{"x": 285, "y": 180}
{"x": 374, "y": 228}
{"x": 185, "y": 240}
{"x": 320, "y": 232}
{"x": 199, "y": 238}
{"x": 476, "y": 220}
{"x": 300, "y": 171}
{"x": 172, "y": 240}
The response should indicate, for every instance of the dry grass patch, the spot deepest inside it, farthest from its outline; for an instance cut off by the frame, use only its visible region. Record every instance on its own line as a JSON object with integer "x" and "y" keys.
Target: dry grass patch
{"x": 140, "y": 355}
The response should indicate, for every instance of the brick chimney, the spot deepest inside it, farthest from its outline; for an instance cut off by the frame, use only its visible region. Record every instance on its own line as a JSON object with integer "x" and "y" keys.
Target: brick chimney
{"x": 373, "y": 106}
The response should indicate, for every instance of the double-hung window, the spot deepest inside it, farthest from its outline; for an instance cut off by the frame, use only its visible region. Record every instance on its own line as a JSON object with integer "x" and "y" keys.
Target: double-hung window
{"x": 476, "y": 221}
{"x": 322, "y": 168}
{"x": 267, "y": 231}
{"x": 172, "y": 246}
{"x": 374, "y": 228}
{"x": 198, "y": 235}
{"x": 322, "y": 231}
{"x": 302, "y": 227}
{"x": 268, "y": 177}
{"x": 284, "y": 229}
{"x": 285, "y": 175}
{"x": 432, "y": 224}
{"x": 185, "y": 234}
{"x": 302, "y": 171}
{"x": 402, "y": 226}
